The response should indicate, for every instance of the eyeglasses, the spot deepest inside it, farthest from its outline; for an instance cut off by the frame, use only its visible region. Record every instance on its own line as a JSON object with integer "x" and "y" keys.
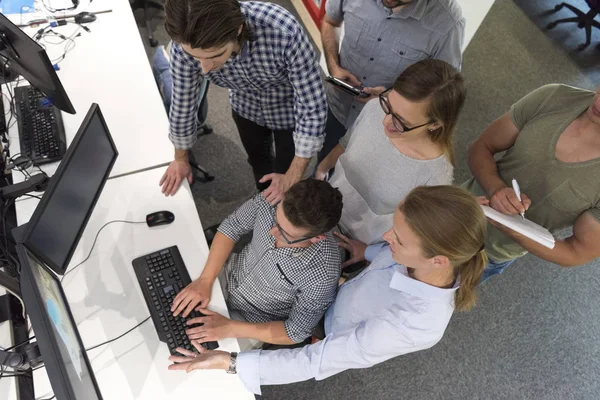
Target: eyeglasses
{"x": 387, "y": 108}
{"x": 284, "y": 235}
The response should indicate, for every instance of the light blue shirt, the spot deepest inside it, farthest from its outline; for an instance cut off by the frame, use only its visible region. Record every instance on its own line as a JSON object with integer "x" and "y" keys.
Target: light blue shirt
{"x": 380, "y": 314}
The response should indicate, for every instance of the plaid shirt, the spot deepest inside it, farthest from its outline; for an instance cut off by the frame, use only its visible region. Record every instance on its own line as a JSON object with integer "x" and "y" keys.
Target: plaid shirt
{"x": 265, "y": 283}
{"x": 274, "y": 81}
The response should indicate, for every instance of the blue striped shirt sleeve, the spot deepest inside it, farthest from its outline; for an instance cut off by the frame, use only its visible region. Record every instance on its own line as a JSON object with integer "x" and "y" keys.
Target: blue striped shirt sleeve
{"x": 335, "y": 10}
{"x": 450, "y": 48}
{"x": 187, "y": 77}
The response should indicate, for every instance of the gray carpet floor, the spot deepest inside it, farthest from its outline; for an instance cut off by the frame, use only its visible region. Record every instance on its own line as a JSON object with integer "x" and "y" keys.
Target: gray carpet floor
{"x": 536, "y": 331}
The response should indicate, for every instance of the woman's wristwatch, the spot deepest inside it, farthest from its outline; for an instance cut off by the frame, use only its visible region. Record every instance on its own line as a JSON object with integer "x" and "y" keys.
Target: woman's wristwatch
{"x": 233, "y": 363}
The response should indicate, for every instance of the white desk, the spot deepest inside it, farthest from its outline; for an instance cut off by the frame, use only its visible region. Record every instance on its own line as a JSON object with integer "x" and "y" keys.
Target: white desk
{"x": 106, "y": 299}
{"x": 109, "y": 66}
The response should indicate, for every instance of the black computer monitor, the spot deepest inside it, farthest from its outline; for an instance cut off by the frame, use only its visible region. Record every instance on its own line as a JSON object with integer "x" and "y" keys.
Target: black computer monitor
{"x": 23, "y": 55}
{"x": 56, "y": 333}
{"x": 61, "y": 216}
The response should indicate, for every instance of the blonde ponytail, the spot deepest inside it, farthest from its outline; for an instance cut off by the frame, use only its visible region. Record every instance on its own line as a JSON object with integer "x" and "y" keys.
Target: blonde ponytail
{"x": 470, "y": 276}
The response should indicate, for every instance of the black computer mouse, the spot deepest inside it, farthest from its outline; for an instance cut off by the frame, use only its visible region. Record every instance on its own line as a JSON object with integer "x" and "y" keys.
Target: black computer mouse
{"x": 84, "y": 17}
{"x": 160, "y": 218}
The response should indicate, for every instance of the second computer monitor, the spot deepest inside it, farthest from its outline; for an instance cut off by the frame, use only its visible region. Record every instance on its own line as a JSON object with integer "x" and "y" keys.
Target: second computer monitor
{"x": 59, "y": 220}
{"x": 27, "y": 58}
{"x": 57, "y": 336}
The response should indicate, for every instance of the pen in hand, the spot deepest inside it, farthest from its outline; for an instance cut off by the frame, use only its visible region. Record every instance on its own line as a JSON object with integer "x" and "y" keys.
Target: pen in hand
{"x": 517, "y": 190}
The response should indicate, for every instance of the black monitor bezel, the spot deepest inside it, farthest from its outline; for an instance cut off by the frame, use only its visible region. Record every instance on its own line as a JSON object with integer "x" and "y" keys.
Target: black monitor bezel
{"x": 60, "y": 269}
{"x": 45, "y": 337}
{"x": 65, "y": 102}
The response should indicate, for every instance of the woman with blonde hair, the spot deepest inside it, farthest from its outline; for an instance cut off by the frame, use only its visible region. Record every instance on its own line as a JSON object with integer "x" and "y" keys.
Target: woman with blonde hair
{"x": 401, "y": 303}
{"x": 398, "y": 142}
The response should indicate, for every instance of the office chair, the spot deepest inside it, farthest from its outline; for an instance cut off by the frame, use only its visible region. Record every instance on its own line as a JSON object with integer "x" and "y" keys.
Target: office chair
{"x": 146, "y": 4}
{"x": 205, "y": 175}
{"x": 584, "y": 20}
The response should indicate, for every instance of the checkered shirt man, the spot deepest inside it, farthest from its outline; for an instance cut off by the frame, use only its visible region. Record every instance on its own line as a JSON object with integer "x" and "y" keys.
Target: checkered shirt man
{"x": 265, "y": 283}
{"x": 274, "y": 81}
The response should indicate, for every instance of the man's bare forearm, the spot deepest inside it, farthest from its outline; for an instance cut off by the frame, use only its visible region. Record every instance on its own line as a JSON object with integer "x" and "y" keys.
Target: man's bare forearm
{"x": 331, "y": 159}
{"x": 484, "y": 169}
{"x": 296, "y": 170}
{"x": 268, "y": 332}
{"x": 181, "y": 155}
{"x": 562, "y": 254}
{"x": 331, "y": 45}
{"x": 221, "y": 248}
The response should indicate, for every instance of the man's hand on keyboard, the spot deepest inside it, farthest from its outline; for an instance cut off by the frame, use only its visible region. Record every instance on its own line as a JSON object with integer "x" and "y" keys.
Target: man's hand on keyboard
{"x": 195, "y": 294}
{"x": 204, "y": 359}
{"x": 214, "y": 327}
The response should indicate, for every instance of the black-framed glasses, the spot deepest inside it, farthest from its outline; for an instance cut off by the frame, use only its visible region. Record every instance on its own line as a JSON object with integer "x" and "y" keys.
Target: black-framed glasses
{"x": 283, "y": 234}
{"x": 387, "y": 108}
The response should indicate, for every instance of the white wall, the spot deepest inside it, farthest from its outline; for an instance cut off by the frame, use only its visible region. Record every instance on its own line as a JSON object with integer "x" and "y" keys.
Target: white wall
{"x": 474, "y": 12}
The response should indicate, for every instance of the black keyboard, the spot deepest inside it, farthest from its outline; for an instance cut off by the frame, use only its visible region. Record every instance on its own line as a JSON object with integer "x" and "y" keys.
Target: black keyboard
{"x": 161, "y": 276}
{"x": 41, "y": 130}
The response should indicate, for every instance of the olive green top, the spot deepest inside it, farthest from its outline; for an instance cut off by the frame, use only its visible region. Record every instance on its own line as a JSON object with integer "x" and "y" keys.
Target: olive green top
{"x": 560, "y": 192}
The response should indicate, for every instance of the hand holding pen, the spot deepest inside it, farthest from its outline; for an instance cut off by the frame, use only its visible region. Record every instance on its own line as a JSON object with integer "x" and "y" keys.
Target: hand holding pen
{"x": 507, "y": 201}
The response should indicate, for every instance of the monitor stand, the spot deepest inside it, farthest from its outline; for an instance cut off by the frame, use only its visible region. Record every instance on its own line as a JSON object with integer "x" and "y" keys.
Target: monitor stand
{"x": 7, "y": 74}
{"x": 36, "y": 183}
{"x": 11, "y": 310}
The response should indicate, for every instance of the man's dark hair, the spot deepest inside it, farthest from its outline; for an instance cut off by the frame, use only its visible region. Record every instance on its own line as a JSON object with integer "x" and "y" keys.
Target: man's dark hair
{"x": 314, "y": 205}
{"x": 205, "y": 24}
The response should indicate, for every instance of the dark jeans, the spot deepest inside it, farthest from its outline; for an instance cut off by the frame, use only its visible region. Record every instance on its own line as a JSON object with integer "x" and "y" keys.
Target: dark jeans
{"x": 495, "y": 268}
{"x": 258, "y": 142}
{"x": 319, "y": 331}
{"x": 203, "y": 108}
{"x": 334, "y": 131}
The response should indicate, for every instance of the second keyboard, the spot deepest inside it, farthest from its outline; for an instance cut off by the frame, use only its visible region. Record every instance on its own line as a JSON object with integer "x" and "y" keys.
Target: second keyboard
{"x": 41, "y": 130}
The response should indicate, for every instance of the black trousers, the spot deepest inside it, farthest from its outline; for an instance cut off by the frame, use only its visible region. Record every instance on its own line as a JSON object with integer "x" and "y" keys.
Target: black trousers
{"x": 258, "y": 143}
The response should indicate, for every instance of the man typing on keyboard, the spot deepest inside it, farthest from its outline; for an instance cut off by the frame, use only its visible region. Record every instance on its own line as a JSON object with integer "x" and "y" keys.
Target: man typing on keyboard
{"x": 279, "y": 286}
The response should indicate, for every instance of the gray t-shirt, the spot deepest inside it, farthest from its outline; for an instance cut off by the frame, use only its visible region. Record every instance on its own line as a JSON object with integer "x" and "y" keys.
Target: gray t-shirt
{"x": 374, "y": 176}
{"x": 378, "y": 44}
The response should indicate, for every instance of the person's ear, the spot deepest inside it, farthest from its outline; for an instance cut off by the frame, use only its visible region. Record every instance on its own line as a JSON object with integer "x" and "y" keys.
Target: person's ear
{"x": 317, "y": 238}
{"x": 440, "y": 262}
{"x": 240, "y": 29}
{"x": 434, "y": 126}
